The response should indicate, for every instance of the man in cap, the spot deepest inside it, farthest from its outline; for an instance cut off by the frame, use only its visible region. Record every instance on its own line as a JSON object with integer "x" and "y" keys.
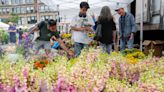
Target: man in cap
{"x": 127, "y": 28}
{"x": 81, "y": 24}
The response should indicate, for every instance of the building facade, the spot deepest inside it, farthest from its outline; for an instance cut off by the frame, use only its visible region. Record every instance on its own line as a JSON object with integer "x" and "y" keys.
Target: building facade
{"x": 29, "y": 11}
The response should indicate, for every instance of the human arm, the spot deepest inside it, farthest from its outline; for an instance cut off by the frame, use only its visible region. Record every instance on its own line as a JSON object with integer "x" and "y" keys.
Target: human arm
{"x": 78, "y": 28}
{"x": 35, "y": 28}
{"x": 133, "y": 26}
{"x": 12, "y": 29}
{"x": 114, "y": 30}
{"x": 120, "y": 30}
{"x": 114, "y": 36}
{"x": 74, "y": 25}
{"x": 64, "y": 47}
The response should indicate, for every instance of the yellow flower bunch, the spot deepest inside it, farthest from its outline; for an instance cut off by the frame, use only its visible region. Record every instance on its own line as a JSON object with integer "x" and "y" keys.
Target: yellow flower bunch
{"x": 131, "y": 59}
{"x": 64, "y": 36}
{"x": 133, "y": 56}
{"x": 91, "y": 35}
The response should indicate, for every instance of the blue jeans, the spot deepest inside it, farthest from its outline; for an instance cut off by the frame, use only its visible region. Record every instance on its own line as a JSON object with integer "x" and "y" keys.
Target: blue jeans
{"x": 107, "y": 48}
{"x": 78, "y": 47}
{"x": 123, "y": 42}
{"x": 12, "y": 37}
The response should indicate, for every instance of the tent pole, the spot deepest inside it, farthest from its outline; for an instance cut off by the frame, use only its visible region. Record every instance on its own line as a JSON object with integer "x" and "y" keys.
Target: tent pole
{"x": 141, "y": 26}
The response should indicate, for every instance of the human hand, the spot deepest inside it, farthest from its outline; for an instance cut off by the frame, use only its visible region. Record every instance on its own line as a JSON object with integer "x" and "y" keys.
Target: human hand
{"x": 131, "y": 36}
{"x": 71, "y": 53}
{"x": 119, "y": 37}
{"x": 88, "y": 28}
{"x": 54, "y": 38}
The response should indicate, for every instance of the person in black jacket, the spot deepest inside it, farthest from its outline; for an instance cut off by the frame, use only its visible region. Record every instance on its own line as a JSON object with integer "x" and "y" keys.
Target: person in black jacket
{"x": 108, "y": 29}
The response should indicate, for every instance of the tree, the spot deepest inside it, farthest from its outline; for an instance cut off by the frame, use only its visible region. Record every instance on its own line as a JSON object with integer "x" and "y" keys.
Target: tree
{"x": 14, "y": 18}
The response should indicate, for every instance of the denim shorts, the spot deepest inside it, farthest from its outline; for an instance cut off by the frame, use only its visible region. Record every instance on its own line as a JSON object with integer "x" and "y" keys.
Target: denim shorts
{"x": 42, "y": 44}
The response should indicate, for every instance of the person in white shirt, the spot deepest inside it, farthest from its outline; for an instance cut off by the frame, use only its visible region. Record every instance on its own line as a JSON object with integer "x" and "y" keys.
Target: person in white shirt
{"x": 80, "y": 26}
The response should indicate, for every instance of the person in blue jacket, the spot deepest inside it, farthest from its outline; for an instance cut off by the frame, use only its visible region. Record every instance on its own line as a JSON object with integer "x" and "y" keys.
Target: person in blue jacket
{"x": 127, "y": 28}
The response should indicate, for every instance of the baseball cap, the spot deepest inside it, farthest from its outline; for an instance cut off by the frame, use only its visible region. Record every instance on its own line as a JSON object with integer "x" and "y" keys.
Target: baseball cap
{"x": 51, "y": 22}
{"x": 118, "y": 9}
{"x": 119, "y": 6}
{"x": 84, "y": 4}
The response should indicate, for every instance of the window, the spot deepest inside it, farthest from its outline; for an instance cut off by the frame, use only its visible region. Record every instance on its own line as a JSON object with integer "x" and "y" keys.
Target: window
{"x": 31, "y": 20}
{"x": 21, "y": 21}
{"x": 46, "y": 17}
{"x": 3, "y": 10}
{"x": 42, "y": 18}
{"x": 23, "y": 10}
{"x": 41, "y": 8}
{"x": 17, "y": 2}
{"x": 46, "y": 8}
{"x": 28, "y": 9}
{"x": 21, "y": 1}
{"x": 7, "y": 10}
{"x": 14, "y": 10}
{"x": 18, "y": 10}
{"x": 12, "y": 1}
{"x": 32, "y": 9}
{"x": 50, "y": 17}
{"x": 5, "y": 2}
{"x": 0, "y": 10}
{"x": 29, "y": 1}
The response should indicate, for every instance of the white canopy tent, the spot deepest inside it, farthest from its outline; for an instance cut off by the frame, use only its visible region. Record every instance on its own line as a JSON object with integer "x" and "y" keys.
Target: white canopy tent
{"x": 69, "y": 8}
{"x": 73, "y": 4}
{"x": 4, "y": 26}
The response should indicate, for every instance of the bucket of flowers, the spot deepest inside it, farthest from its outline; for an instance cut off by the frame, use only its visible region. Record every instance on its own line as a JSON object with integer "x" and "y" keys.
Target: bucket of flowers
{"x": 41, "y": 62}
{"x": 133, "y": 55}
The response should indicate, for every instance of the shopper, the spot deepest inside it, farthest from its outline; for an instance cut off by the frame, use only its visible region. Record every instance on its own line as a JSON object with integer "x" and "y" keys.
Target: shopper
{"x": 127, "y": 28}
{"x": 81, "y": 24}
{"x": 108, "y": 29}
{"x": 12, "y": 32}
{"x": 47, "y": 30}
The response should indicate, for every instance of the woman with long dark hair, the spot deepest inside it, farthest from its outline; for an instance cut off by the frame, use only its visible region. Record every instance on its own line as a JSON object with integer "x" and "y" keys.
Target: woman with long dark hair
{"x": 108, "y": 28}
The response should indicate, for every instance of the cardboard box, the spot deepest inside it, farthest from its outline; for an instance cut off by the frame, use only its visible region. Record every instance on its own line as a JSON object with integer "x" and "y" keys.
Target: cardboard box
{"x": 157, "y": 46}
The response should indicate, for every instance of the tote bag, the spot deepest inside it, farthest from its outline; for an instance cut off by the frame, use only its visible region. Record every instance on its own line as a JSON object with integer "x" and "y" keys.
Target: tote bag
{"x": 98, "y": 34}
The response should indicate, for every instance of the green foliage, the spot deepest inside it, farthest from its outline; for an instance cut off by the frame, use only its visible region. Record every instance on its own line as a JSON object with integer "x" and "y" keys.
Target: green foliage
{"x": 14, "y": 18}
{"x": 20, "y": 50}
{"x": 136, "y": 53}
{"x": 4, "y": 37}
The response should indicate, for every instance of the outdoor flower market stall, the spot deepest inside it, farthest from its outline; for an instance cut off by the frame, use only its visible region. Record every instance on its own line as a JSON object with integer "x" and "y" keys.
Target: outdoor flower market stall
{"x": 93, "y": 71}
{"x": 22, "y": 70}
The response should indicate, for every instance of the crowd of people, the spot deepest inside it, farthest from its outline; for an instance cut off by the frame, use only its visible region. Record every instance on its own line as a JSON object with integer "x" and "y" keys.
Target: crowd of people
{"x": 81, "y": 24}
